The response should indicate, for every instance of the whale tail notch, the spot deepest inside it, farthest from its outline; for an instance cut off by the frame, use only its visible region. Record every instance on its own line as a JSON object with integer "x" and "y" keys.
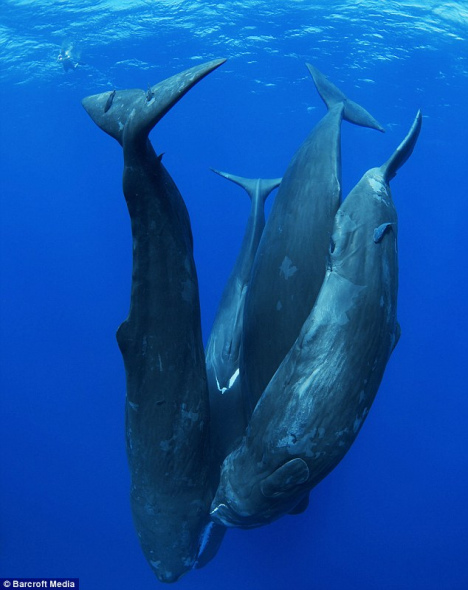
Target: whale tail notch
{"x": 403, "y": 151}
{"x": 332, "y": 95}
{"x": 133, "y": 113}
{"x": 252, "y": 186}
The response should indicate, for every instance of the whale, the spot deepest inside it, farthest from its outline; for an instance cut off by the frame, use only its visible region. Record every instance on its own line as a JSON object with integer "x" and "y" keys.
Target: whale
{"x": 315, "y": 405}
{"x": 228, "y": 411}
{"x": 167, "y": 403}
{"x": 228, "y": 414}
{"x": 291, "y": 259}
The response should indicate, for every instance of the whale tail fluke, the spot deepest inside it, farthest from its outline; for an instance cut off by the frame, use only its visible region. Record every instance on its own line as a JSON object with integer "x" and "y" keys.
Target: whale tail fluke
{"x": 253, "y": 186}
{"x": 332, "y": 95}
{"x": 403, "y": 151}
{"x": 133, "y": 113}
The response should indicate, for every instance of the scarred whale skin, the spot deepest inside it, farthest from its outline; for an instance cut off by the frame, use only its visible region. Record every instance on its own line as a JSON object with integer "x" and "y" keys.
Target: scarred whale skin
{"x": 291, "y": 259}
{"x": 314, "y": 406}
{"x": 167, "y": 407}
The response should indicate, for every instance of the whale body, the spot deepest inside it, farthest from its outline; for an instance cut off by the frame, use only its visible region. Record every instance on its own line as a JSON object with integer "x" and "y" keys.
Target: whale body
{"x": 167, "y": 406}
{"x": 291, "y": 259}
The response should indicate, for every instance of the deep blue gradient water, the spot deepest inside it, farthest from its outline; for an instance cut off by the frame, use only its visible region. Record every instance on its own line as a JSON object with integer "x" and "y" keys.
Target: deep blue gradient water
{"x": 393, "y": 515}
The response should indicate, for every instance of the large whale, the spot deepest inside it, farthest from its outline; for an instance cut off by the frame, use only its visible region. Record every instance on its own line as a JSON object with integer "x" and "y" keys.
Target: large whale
{"x": 167, "y": 406}
{"x": 317, "y": 401}
{"x": 291, "y": 258}
{"x": 228, "y": 414}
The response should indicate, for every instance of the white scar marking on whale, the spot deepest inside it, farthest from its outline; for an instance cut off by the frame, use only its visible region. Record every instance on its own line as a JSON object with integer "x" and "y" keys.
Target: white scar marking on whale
{"x": 188, "y": 414}
{"x": 376, "y": 184}
{"x": 359, "y": 420}
{"x": 287, "y": 269}
{"x": 221, "y": 389}
{"x": 231, "y": 382}
{"x": 233, "y": 378}
{"x": 340, "y": 433}
{"x": 357, "y": 424}
{"x": 217, "y": 508}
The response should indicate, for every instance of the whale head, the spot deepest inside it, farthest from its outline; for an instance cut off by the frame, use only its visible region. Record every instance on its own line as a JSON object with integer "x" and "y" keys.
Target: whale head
{"x": 261, "y": 498}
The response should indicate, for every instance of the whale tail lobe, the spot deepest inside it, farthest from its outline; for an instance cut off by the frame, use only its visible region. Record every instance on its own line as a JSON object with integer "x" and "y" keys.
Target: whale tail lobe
{"x": 331, "y": 95}
{"x": 253, "y": 186}
{"x": 403, "y": 151}
{"x": 133, "y": 113}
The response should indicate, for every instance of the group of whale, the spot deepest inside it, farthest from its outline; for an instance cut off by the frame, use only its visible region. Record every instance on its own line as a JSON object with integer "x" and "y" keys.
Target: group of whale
{"x": 239, "y": 434}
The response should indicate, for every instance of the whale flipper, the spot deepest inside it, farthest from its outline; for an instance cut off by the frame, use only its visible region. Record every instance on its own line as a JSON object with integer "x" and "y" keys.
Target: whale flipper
{"x": 301, "y": 506}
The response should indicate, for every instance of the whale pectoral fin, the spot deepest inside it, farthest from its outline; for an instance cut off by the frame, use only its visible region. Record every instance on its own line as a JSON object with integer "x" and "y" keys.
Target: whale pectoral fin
{"x": 397, "y": 335}
{"x": 379, "y": 232}
{"x": 301, "y": 506}
{"x": 288, "y": 476}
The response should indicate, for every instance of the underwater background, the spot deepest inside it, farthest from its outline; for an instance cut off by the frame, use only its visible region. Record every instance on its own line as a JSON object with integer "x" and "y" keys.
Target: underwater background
{"x": 394, "y": 513}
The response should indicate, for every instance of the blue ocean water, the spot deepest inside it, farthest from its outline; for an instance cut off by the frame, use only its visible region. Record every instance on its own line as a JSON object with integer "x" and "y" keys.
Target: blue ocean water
{"x": 393, "y": 514}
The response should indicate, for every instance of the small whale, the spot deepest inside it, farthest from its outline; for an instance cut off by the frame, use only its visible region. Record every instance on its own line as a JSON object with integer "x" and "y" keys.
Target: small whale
{"x": 228, "y": 415}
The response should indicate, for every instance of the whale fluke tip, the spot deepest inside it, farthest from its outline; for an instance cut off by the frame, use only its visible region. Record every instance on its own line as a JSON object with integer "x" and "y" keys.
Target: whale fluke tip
{"x": 136, "y": 111}
{"x": 403, "y": 151}
{"x": 331, "y": 95}
{"x": 253, "y": 186}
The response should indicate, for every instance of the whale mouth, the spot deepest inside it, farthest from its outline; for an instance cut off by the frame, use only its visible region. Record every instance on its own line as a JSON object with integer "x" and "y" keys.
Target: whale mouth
{"x": 225, "y": 515}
